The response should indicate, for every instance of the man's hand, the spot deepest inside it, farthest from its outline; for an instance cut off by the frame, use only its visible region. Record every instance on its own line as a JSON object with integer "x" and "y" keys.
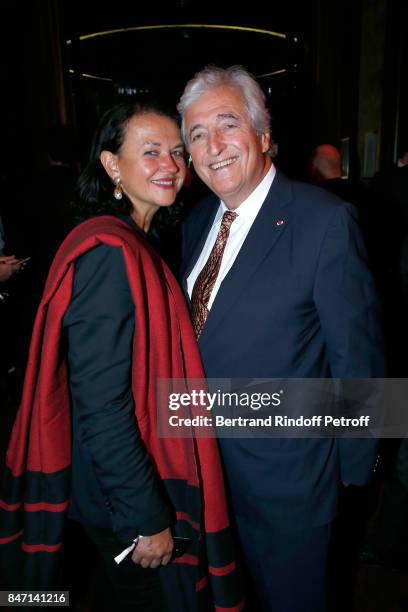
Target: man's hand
{"x": 154, "y": 550}
{"x": 9, "y": 265}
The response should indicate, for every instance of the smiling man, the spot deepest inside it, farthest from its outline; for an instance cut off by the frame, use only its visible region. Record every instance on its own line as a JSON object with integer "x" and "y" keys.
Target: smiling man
{"x": 219, "y": 116}
{"x": 279, "y": 288}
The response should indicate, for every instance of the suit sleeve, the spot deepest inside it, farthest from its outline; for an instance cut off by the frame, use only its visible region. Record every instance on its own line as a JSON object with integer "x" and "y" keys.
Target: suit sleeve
{"x": 348, "y": 307}
{"x": 99, "y": 327}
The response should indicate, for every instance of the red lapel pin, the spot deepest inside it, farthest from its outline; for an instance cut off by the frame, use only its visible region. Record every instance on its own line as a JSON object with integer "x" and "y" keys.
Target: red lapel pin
{"x": 280, "y": 222}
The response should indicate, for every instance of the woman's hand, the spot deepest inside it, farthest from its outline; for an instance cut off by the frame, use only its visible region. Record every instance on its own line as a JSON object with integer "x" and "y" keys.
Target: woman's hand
{"x": 154, "y": 550}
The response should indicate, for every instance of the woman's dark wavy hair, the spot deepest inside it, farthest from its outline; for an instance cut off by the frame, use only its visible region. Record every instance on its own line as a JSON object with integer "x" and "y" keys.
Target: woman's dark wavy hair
{"x": 94, "y": 190}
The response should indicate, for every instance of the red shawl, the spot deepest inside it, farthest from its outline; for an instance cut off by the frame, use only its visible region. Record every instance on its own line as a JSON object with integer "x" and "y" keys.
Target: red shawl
{"x": 36, "y": 484}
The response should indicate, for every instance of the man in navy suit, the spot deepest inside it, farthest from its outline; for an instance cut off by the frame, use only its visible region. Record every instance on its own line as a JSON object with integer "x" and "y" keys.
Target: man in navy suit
{"x": 292, "y": 299}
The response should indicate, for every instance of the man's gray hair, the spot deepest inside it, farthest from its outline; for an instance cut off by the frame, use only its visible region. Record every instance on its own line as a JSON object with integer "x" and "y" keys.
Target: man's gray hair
{"x": 236, "y": 77}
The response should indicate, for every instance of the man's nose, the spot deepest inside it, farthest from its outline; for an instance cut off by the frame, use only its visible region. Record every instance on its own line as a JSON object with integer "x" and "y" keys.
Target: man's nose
{"x": 214, "y": 143}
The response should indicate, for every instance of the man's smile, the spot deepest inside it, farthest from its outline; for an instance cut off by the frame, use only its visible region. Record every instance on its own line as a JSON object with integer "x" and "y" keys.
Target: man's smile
{"x": 223, "y": 164}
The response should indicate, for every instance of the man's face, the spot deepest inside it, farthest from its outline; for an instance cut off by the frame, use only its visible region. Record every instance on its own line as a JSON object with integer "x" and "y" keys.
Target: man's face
{"x": 228, "y": 154}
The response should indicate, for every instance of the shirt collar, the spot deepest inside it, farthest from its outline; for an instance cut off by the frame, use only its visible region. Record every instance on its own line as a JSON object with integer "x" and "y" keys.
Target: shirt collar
{"x": 250, "y": 207}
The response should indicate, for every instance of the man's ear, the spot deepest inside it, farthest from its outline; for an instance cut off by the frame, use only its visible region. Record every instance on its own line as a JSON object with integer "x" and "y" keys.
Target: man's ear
{"x": 110, "y": 162}
{"x": 265, "y": 141}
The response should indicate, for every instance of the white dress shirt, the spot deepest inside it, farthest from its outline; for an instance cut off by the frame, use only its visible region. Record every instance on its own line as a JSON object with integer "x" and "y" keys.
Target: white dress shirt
{"x": 246, "y": 214}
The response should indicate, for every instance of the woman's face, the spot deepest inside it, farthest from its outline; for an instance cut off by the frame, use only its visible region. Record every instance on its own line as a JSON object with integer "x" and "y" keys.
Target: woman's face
{"x": 150, "y": 163}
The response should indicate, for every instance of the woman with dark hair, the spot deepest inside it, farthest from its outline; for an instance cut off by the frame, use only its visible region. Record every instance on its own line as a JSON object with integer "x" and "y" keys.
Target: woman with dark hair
{"x": 112, "y": 322}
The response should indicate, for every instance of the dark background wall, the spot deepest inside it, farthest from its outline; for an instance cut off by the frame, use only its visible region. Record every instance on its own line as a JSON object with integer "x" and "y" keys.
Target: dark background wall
{"x": 344, "y": 75}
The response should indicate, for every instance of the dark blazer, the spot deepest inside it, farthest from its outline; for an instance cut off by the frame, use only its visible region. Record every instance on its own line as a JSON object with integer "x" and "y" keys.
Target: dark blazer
{"x": 298, "y": 302}
{"x": 114, "y": 484}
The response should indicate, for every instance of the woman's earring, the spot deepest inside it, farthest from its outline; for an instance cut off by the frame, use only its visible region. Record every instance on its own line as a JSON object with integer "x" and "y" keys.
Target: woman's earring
{"x": 118, "y": 191}
{"x": 189, "y": 161}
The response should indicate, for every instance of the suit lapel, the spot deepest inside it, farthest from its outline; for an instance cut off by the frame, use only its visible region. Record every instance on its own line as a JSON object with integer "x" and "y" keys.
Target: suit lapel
{"x": 270, "y": 223}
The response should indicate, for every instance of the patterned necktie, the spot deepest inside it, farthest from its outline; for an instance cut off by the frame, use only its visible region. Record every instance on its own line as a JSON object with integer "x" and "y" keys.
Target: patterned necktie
{"x": 206, "y": 279}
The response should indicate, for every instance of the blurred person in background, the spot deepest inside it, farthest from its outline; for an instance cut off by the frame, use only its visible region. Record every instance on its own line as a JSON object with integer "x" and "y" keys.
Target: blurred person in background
{"x": 10, "y": 265}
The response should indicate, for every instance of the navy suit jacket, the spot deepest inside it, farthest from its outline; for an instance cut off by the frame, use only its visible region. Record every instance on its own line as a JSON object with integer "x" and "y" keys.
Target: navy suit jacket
{"x": 114, "y": 483}
{"x": 298, "y": 302}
